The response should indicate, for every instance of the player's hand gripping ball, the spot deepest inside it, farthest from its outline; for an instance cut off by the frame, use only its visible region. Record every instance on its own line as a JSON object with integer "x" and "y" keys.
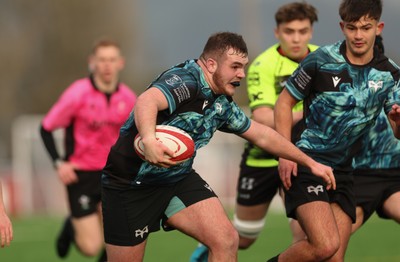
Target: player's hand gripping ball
{"x": 174, "y": 138}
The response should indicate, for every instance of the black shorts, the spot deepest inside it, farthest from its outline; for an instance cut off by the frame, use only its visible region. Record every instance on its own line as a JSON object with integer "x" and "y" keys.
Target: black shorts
{"x": 130, "y": 215}
{"x": 373, "y": 187}
{"x": 85, "y": 195}
{"x": 257, "y": 185}
{"x": 307, "y": 188}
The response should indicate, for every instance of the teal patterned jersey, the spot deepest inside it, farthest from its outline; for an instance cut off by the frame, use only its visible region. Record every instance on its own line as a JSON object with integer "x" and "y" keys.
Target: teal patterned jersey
{"x": 192, "y": 107}
{"x": 380, "y": 149}
{"x": 341, "y": 101}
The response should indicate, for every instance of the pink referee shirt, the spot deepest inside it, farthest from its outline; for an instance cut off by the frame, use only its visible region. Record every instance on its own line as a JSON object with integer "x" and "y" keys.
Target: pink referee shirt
{"x": 94, "y": 118}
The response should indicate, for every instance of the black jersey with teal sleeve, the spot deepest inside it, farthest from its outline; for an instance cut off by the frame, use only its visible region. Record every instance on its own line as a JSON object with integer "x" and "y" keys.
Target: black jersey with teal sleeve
{"x": 192, "y": 107}
{"x": 341, "y": 101}
{"x": 380, "y": 148}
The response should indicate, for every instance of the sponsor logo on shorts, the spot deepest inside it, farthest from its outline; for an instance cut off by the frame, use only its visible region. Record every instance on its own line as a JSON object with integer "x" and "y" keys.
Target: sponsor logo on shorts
{"x": 208, "y": 187}
{"x": 247, "y": 183}
{"x": 84, "y": 201}
{"x": 141, "y": 232}
{"x": 315, "y": 189}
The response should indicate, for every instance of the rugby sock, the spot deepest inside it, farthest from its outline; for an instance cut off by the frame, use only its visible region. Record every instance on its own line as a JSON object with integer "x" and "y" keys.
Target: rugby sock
{"x": 65, "y": 238}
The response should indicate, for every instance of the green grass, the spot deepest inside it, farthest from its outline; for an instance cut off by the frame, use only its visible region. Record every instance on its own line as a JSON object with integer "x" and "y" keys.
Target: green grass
{"x": 34, "y": 241}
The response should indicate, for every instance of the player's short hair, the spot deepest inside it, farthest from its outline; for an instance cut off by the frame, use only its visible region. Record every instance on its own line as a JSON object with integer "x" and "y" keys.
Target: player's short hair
{"x": 220, "y": 42}
{"x": 353, "y": 10}
{"x": 104, "y": 42}
{"x": 296, "y": 11}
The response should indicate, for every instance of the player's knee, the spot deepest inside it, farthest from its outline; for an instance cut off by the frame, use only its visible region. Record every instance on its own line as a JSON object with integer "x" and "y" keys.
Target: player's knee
{"x": 248, "y": 230}
{"x": 326, "y": 249}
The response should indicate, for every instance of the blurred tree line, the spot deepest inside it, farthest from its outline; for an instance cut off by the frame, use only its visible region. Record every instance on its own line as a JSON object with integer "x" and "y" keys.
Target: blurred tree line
{"x": 45, "y": 46}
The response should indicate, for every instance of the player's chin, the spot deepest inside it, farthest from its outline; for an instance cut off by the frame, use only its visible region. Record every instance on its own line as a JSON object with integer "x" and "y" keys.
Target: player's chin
{"x": 230, "y": 91}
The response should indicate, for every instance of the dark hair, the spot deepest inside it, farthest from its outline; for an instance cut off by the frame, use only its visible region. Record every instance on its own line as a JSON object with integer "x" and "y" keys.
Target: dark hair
{"x": 379, "y": 44}
{"x": 353, "y": 10}
{"x": 296, "y": 11}
{"x": 220, "y": 42}
{"x": 104, "y": 42}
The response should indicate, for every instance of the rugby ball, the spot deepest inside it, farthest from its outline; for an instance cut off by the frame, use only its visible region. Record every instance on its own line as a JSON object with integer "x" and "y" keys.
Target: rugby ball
{"x": 174, "y": 138}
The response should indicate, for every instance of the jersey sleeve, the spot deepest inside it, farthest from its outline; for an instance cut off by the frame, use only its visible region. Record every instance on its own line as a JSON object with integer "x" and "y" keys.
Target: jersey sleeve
{"x": 300, "y": 82}
{"x": 62, "y": 112}
{"x": 237, "y": 122}
{"x": 177, "y": 86}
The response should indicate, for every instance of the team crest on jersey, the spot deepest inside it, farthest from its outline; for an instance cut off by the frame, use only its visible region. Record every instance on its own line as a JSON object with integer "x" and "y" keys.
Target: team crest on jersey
{"x": 375, "y": 85}
{"x": 218, "y": 107}
{"x": 174, "y": 80}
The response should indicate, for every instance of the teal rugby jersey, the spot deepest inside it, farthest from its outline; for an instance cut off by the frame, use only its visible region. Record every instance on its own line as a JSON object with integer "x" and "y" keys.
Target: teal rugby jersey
{"x": 341, "y": 101}
{"x": 266, "y": 78}
{"x": 380, "y": 148}
{"x": 194, "y": 108}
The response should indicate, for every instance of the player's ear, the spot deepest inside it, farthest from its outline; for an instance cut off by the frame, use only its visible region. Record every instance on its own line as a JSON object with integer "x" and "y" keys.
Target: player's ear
{"x": 341, "y": 24}
{"x": 121, "y": 63}
{"x": 380, "y": 27}
{"x": 211, "y": 65}
{"x": 276, "y": 33}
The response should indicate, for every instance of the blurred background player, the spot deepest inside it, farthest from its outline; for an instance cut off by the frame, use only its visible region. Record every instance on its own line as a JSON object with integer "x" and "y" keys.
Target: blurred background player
{"x": 91, "y": 111}
{"x": 259, "y": 179}
{"x": 377, "y": 170}
{"x": 6, "y": 230}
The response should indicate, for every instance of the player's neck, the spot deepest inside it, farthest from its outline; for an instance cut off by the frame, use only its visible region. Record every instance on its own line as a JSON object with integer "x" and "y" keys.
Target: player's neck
{"x": 360, "y": 60}
{"x": 206, "y": 73}
{"x": 105, "y": 87}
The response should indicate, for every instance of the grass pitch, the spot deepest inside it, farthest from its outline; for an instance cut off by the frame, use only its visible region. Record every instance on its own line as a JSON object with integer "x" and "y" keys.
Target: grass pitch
{"x": 376, "y": 241}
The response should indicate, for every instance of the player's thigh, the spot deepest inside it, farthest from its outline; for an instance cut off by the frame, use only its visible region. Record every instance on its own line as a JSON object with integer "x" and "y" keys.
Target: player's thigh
{"x": 391, "y": 206}
{"x": 317, "y": 220}
{"x": 359, "y": 219}
{"x": 205, "y": 220}
{"x": 125, "y": 253}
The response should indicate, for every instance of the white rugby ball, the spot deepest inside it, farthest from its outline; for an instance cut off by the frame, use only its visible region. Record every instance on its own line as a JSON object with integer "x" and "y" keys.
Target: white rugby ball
{"x": 174, "y": 138}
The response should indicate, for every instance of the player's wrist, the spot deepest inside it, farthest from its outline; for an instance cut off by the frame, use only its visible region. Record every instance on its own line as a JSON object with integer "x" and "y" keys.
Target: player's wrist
{"x": 58, "y": 162}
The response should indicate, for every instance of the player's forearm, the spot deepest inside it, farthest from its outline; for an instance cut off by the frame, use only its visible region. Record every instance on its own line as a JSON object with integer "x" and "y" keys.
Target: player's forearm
{"x": 276, "y": 144}
{"x": 49, "y": 143}
{"x": 2, "y": 208}
{"x": 283, "y": 120}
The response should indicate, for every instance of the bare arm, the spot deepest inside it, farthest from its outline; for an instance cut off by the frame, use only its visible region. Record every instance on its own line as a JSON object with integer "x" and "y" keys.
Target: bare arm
{"x": 146, "y": 109}
{"x": 270, "y": 141}
{"x": 283, "y": 114}
{"x": 6, "y": 231}
{"x": 265, "y": 116}
{"x": 283, "y": 119}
